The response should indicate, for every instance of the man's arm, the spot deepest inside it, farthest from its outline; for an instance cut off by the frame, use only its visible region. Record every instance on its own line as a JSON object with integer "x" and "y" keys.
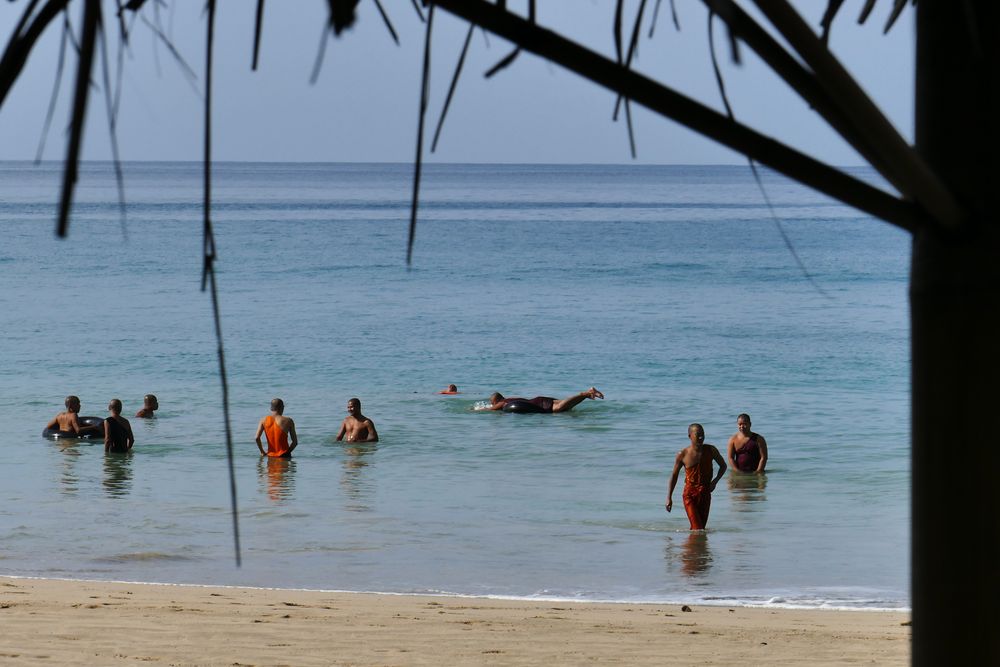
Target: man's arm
{"x": 372, "y": 433}
{"x": 260, "y": 430}
{"x": 678, "y": 462}
{"x": 292, "y": 435}
{"x": 721, "y": 462}
{"x": 131, "y": 438}
{"x": 342, "y": 431}
{"x": 54, "y": 423}
{"x": 762, "y": 445}
{"x": 107, "y": 436}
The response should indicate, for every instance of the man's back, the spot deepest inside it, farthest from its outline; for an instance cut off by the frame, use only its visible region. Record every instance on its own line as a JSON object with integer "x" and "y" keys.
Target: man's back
{"x": 277, "y": 429}
{"x": 283, "y": 422}
{"x": 119, "y": 434}
{"x": 68, "y": 422}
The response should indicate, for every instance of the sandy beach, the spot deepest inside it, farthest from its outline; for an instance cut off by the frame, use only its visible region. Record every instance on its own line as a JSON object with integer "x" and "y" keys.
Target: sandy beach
{"x": 98, "y": 623}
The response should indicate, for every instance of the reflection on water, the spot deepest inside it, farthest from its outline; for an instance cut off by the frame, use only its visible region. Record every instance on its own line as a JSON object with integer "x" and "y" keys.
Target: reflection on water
{"x": 747, "y": 489}
{"x": 277, "y": 476}
{"x": 692, "y": 554}
{"x": 356, "y": 484}
{"x": 117, "y": 473}
{"x": 696, "y": 559}
{"x": 68, "y": 478}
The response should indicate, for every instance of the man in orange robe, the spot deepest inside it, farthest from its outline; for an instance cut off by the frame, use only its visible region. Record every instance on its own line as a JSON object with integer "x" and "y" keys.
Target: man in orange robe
{"x": 277, "y": 429}
{"x": 696, "y": 459}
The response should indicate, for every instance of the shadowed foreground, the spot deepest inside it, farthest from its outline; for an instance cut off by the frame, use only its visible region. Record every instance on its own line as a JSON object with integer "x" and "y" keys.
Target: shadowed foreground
{"x": 78, "y": 623}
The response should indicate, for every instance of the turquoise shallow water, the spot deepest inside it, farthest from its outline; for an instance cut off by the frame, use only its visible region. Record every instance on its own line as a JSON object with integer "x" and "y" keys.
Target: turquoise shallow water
{"x": 669, "y": 288}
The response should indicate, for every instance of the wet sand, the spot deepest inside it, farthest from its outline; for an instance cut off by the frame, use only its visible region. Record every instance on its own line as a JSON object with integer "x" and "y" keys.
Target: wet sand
{"x": 56, "y": 622}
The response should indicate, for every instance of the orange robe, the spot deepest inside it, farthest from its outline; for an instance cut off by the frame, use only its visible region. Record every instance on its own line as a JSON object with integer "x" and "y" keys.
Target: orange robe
{"x": 698, "y": 491}
{"x": 277, "y": 439}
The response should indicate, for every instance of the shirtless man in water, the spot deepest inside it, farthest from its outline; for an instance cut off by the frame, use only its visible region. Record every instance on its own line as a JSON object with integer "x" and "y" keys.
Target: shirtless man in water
{"x": 69, "y": 421}
{"x": 356, "y": 426}
{"x": 149, "y": 406}
{"x": 540, "y": 404}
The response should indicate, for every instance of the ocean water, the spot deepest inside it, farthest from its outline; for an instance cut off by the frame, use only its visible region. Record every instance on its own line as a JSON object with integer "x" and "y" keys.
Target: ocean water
{"x": 669, "y": 288}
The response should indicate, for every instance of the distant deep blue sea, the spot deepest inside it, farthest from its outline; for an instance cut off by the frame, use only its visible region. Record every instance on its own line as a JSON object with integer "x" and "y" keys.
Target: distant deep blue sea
{"x": 669, "y": 288}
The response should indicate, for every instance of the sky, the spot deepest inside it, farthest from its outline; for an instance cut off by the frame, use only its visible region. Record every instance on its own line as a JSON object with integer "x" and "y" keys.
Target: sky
{"x": 364, "y": 104}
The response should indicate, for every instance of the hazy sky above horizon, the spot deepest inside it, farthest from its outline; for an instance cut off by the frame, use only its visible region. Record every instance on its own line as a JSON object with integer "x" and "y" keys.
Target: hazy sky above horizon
{"x": 363, "y": 107}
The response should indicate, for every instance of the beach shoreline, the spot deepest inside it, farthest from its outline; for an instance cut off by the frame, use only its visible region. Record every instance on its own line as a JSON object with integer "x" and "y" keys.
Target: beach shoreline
{"x": 73, "y": 622}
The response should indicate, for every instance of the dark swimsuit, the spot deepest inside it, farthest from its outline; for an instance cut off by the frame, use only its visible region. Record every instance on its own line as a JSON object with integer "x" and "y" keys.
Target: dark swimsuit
{"x": 537, "y": 405}
{"x": 747, "y": 457}
{"x": 117, "y": 434}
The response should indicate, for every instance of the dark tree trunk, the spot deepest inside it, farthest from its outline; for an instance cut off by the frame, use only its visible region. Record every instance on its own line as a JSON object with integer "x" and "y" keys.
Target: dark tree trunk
{"x": 955, "y": 309}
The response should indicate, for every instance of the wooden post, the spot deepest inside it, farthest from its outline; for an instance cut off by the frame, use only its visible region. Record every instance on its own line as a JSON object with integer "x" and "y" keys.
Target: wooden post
{"x": 955, "y": 310}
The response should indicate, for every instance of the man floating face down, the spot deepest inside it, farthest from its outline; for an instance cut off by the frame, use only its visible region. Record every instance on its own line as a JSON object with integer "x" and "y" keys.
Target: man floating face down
{"x": 539, "y": 404}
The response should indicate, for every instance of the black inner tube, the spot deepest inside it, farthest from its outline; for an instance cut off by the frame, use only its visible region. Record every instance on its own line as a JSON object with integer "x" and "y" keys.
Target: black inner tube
{"x": 56, "y": 434}
{"x": 522, "y": 406}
